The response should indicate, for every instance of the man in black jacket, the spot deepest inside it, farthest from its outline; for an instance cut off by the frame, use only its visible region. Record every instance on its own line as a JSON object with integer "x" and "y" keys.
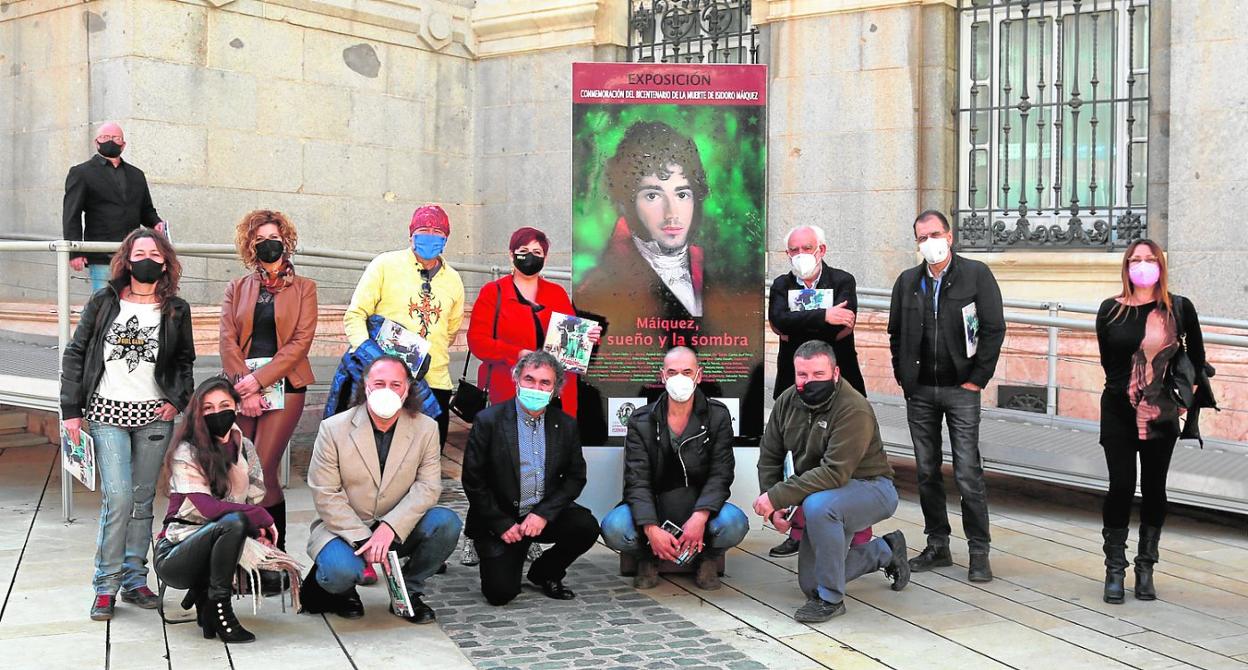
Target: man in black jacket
{"x": 797, "y": 320}
{"x": 945, "y": 329}
{"x": 523, "y": 468}
{"x": 114, "y": 197}
{"x": 678, "y": 467}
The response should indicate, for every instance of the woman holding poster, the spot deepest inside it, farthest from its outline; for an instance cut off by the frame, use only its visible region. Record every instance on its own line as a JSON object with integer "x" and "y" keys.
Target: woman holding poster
{"x": 268, "y": 320}
{"x": 511, "y": 317}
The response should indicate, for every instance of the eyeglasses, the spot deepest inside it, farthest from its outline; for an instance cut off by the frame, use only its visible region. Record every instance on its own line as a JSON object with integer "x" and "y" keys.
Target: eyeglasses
{"x": 426, "y": 288}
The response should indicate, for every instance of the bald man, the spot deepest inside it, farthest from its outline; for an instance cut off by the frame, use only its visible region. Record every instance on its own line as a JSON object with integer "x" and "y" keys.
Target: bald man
{"x": 105, "y": 199}
{"x": 678, "y": 468}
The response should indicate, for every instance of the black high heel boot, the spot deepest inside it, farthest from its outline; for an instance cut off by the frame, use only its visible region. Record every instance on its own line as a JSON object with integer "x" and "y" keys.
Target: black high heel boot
{"x": 221, "y": 615}
{"x": 273, "y": 583}
{"x": 1115, "y": 564}
{"x": 202, "y": 619}
{"x": 1146, "y": 556}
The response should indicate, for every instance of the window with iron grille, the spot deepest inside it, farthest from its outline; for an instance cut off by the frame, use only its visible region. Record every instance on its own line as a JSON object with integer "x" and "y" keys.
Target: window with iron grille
{"x": 691, "y": 31}
{"x": 1052, "y": 124}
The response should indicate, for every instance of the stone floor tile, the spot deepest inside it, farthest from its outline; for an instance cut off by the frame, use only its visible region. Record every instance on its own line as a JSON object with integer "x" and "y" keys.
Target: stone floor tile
{"x": 1179, "y": 650}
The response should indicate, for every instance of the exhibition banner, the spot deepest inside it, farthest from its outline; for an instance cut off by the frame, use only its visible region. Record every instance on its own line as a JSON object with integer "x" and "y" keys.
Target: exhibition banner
{"x": 669, "y": 232}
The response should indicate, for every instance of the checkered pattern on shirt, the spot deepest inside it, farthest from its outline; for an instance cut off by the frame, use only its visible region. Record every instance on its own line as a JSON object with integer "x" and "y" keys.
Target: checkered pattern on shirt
{"x": 532, "y": 432}
{"x": 122, "y": 414}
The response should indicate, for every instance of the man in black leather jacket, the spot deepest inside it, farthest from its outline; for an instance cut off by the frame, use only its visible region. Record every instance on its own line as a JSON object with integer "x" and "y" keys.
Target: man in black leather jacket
{"x": 678, "y": 468}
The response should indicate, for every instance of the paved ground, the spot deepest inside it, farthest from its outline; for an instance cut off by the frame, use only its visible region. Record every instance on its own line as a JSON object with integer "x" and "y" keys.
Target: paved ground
{"x": 1043, "y": 611}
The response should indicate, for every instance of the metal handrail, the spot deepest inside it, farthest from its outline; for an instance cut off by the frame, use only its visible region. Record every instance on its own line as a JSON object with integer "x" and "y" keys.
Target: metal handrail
{"x": 876, "y": 299}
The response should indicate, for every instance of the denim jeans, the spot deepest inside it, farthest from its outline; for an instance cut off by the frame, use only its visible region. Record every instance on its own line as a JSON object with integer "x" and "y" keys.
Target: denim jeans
{"x": 960, "y": 409}
{"x": 723, "y": 531}
{"x": 827, "y": 561}
{"x": 99, "y": 275}
{"x": 429, "y": 544}
{"x": 128, "y": 461}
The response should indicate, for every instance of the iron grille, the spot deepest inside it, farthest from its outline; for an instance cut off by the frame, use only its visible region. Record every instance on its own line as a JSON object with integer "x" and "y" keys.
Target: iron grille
{"x": 1052, "y": 124}
{"x": 691, "y": 31}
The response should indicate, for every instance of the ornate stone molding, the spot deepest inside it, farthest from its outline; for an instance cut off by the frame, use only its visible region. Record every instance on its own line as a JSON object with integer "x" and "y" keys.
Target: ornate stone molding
{"x": 771, "y": 11}
{"x": 507, "y": 27}
{"x": 425, "y": 24}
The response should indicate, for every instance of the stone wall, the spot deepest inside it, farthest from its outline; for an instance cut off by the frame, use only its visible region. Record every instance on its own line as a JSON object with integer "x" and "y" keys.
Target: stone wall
{"x": 861, "y": 132}
{"x": 344, "y": 119}
{"x": 1208, "y": 134}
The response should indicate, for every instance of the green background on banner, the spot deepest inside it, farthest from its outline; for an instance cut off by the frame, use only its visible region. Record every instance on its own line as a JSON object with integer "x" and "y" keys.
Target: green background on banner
{"x": 730, "y": 141}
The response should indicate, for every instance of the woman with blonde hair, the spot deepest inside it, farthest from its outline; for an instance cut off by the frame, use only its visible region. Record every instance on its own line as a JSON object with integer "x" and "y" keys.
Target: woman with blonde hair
{"x": 268, "y": 321}
{"x": 1143, "y": 333}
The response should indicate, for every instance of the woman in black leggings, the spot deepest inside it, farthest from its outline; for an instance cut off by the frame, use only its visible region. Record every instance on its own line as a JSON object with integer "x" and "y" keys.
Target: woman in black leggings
{"x": 1139, "y": 332}
{"x": 215, "y": 483}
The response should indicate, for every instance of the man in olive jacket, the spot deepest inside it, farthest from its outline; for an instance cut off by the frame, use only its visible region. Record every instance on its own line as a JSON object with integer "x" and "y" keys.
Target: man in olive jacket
{"x": 841, "y": 478}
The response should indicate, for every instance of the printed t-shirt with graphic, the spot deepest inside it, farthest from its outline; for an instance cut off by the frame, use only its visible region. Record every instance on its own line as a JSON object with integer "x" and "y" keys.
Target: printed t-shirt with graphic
{"x": 128, "y": 395}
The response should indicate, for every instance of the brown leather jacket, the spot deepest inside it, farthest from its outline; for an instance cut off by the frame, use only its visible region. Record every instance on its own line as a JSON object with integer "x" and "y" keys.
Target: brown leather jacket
{"x": 294, "y": 310}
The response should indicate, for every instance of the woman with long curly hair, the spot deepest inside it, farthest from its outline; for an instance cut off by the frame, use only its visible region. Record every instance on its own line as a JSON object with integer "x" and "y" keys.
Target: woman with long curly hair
{"x": 268, "y": 320}
{"x": 125, "y": 375}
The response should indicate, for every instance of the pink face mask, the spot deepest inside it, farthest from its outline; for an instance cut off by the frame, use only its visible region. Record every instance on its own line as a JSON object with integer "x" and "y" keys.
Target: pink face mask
{"x": 1145, "y": 274}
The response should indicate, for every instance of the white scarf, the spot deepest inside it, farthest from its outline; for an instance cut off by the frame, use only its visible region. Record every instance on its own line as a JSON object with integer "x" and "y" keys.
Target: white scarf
{"x": 673, "y": 270}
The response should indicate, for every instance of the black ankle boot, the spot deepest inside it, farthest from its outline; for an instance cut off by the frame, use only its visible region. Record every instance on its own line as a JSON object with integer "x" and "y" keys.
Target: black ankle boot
{"x": 1145, "y": 557}
{"x": 221, "y": 615}
{"x": 1115, "y": 563}
{"x": 278, "y": 512}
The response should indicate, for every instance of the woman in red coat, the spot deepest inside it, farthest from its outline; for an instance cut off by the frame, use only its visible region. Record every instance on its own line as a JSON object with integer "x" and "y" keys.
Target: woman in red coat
{"x": 525, "y": 303}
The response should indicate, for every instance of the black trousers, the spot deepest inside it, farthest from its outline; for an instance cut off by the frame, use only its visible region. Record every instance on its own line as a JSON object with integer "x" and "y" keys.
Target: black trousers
{"x": 1154, "y": 459}
{"x": 444, "y": 419}
{"x": 206, "y": 559}
{"x": 573, "y": 532}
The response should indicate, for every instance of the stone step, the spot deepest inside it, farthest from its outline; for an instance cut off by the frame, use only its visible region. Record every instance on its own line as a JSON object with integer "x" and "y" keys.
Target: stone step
{"x": 22, "y": 440}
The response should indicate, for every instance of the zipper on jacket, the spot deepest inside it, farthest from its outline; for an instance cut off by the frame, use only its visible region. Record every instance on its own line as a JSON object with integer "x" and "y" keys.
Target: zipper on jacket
{"x": 681, "y": 456}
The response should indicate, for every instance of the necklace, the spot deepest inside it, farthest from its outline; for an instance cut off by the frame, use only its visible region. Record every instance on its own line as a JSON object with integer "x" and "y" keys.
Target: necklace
{"x": 134, "y": 292}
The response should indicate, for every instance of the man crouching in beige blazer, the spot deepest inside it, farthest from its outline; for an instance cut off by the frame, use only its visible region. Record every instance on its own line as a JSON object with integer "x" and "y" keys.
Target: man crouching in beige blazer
{"x": 376, "y": 474}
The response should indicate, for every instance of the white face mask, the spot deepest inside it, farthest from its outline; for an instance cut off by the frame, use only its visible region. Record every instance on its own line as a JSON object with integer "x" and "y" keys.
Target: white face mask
{"x": 934, "y": 249}
{"x": 679, "y": 387}
{"x": 804, "y": 265}
{"x": 384, "y": 402}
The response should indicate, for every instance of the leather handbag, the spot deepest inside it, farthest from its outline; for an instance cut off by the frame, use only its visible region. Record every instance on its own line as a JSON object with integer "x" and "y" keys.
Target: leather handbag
{"x": 1180, "y": 379}
{"x": 469, "y": 399}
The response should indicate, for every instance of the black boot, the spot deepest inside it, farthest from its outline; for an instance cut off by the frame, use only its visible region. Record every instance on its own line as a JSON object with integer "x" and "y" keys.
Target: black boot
{"x": 225, "y": 624}
{"x": 313, "y": 598}
{"x": 1145, "y": 557}
{"x": 278, "y": 512}
{"x": 1115, "y": 563}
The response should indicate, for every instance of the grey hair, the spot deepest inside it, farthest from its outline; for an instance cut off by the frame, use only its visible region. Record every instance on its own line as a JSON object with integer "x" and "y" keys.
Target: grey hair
{"x": 538, "y": 359}
{"x": 813, "y": 349}
{"x": 820, "y": 236}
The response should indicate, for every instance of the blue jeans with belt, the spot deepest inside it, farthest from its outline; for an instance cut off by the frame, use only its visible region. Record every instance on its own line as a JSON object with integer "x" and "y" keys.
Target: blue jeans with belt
{"x": 426, "y": 547}
{"x": 724, "y": 531}
{"x": 128, "y": 461}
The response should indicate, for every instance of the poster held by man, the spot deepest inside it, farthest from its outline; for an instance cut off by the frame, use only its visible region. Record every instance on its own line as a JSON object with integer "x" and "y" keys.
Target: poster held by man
{"x": 669, "y": 229}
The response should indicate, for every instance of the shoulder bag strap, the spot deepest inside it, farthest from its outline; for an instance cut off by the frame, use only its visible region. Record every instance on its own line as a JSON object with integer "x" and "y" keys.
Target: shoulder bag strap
{"x": 498, "y": 299}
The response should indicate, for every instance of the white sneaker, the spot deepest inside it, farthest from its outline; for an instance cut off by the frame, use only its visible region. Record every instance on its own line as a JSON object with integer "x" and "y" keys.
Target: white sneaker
{"x": 469, "y": 554}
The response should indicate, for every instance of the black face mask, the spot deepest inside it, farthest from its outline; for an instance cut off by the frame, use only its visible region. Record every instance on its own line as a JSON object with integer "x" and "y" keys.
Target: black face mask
{"x": 269, "y": 251}
{"x": 219, "y": 423}
{"x": 146, "y": 271}
{"x": 814, "y": 394}
{"x": 528, "y": 264}
{"x": 109, "y": 149}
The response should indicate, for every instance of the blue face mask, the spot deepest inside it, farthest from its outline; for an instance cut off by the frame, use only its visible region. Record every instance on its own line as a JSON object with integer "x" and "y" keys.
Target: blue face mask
{"x": 532, "y": 399}
{"x": 428, "y": 247}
